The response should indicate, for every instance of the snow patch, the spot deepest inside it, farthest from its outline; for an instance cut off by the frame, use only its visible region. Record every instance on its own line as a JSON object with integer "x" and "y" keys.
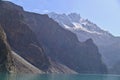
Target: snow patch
{"x": 78, "y": 26}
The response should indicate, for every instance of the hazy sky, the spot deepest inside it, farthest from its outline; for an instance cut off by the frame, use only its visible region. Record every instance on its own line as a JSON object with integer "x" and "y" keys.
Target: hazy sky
{"x": 104, "y": 13}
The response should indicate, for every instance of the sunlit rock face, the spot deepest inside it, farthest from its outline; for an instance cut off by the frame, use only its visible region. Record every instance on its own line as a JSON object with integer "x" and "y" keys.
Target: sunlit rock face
{"x": 6, "y": 59}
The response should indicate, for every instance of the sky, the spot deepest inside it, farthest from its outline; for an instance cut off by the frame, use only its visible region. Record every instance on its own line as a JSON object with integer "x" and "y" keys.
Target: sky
{"x": 104, "y": 13}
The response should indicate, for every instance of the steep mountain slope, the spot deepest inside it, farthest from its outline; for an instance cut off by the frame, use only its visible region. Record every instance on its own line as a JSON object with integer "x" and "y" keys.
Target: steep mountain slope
{"x": 23, "y": 41}
{"x": 115, "y": 69}
{"x": 11, "y": 63}
{"x": 63, "y": 46}
{"x": 60, "y": 68}
{"x": 6, "y": 60}
{"x": 23, "y": 66}
{"x": 84, "y": 29}
{"x": 20, "y": 37}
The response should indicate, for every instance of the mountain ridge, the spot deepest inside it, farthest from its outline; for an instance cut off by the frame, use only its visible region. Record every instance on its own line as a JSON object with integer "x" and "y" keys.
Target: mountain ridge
{"x": 66, "y": 45}
{"x": 85, "y": 29}
{"x": 24, "y": 42}
{"x": 42, "y": 42}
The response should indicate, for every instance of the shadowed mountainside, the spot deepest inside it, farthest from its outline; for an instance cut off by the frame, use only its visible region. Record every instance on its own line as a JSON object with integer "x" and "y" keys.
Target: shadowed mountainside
{"x": 23, "y": 41}
{"x": 63, "y": 46}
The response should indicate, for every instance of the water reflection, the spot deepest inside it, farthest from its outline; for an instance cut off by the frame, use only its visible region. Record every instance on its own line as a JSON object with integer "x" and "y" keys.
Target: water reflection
{"x": 57, "y": 77}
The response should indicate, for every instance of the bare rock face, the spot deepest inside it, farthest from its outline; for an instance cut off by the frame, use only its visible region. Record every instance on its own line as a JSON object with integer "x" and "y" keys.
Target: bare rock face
{"x": 21, "y": 39}
{"x": 59, "y": 68}
{"x": 10, "y": 62}
{"x": 6, "y": 59}
{"x": 23, "y": 66}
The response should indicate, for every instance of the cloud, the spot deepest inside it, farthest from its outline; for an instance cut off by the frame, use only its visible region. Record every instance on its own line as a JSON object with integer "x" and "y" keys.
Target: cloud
{"x": 45, "y": 11}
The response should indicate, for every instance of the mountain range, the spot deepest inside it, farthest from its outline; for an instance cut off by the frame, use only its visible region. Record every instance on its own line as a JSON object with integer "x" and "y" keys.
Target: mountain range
{"x": 53, "y": 43}
{"x": 24, "y": 45}
{"x": 84, "y": 29}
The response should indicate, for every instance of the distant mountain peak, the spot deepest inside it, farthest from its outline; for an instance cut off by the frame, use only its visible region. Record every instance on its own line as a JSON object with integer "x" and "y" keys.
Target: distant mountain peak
{"x": 82, "y": 27}
{"x": 74, "y": 17}
{"x": 85, "y": 30}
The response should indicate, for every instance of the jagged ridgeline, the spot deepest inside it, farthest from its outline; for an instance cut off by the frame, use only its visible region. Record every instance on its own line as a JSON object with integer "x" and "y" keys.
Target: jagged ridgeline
{"x": 45, "y": 45}
{"x": 107, "y": 43}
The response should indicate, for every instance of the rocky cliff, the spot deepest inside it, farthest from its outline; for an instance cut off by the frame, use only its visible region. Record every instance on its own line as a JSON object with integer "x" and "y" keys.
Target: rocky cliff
{"x": 9, "y": 62}
{"x": 20, "y": 37}
{"x": 6, "y": 59}
{"x": 24, "y": 42}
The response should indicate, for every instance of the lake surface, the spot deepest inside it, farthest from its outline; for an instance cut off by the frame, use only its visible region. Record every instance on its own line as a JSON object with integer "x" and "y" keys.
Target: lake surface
{"x": 58, "y": 77}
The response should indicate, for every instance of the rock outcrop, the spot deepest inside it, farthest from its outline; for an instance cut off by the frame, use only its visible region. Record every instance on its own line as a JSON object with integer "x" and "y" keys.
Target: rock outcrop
{"x": 6, "y": 59}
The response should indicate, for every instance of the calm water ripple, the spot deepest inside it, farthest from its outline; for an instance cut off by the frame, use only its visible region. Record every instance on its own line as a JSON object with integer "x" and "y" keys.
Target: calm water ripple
{"x": 57, "y": 77}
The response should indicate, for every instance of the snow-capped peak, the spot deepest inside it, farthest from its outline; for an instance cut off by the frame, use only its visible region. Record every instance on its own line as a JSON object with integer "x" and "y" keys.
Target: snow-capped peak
{"x": 78, "y": 26}
{"x": 83, "y": 28}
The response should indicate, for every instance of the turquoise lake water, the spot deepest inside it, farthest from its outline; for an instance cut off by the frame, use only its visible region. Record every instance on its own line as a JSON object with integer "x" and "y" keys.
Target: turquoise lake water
{"x": 58, "y": 77}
